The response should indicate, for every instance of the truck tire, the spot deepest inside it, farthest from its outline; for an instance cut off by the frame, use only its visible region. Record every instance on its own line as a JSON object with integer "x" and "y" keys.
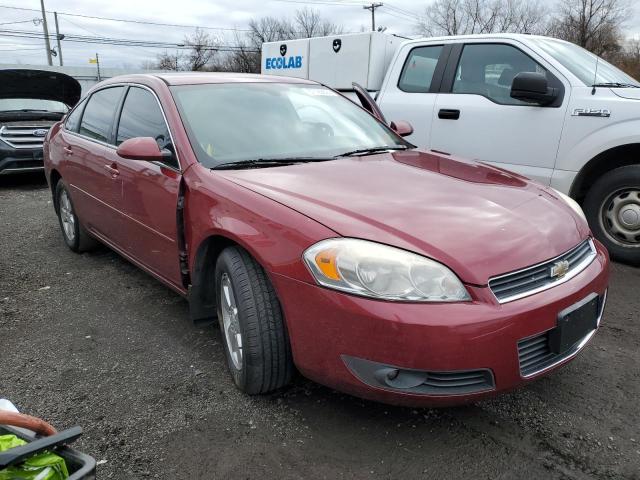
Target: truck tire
{"x": 251, "y": 323}
{"x": 612, "y": 207}
{"x": 74, "y": 234}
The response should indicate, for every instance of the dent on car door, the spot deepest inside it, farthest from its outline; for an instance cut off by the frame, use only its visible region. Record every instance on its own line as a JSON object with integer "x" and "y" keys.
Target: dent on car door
{"x": 413, "y": 95}
{"x": 149, "y": 189}
{"x": 475, "y": 116}
{"x": 95, "y": 186}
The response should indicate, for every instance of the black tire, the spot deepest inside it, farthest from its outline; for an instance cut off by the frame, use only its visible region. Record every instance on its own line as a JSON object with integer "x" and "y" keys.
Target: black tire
{"x": 266, "y": 362}
{"x": 598, "y": 206}
{"x": 78, "y": 239}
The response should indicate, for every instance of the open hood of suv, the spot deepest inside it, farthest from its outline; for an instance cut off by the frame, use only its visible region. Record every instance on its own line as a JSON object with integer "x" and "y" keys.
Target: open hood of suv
{"x": 41, "y": 85}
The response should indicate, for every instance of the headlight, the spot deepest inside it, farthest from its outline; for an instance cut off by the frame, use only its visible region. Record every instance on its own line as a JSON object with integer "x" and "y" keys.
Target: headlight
{"x": 379, "y": 271}
{"x": 572, "y": 203}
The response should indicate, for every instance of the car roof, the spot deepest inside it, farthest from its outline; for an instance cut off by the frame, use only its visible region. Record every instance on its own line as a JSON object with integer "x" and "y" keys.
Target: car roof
{"x": 198, "y": 78}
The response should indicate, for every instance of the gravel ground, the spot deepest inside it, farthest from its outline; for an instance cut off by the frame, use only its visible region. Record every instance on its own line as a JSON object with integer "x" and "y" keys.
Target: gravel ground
{"x": 91, "y": 340}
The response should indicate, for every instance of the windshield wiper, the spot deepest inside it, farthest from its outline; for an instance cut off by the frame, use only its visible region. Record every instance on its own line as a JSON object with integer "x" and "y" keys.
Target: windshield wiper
{"x": 615, "y": 85}
{"x": 371, "y": 151}
{"x": 267, "y": 162}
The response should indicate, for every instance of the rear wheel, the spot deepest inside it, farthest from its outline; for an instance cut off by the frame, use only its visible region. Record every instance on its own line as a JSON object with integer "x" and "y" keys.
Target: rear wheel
{"x": 74, "y": 234}
{"x": 612, "y": 207}
{"x": 253, "y": 329}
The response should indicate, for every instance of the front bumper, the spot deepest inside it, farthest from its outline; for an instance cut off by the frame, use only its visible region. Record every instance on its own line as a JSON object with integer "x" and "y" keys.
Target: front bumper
{"x": 14, "y": 160}
{"x": 328, "y": 330}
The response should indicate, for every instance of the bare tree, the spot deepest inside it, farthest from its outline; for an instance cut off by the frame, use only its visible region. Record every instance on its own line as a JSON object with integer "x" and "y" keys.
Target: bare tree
{"x": 459, "y": 17}
{"x": 592, "y": 24}
{"x": 629, "y": 58}
{"x": 309, "y": 23}
{"x": 202, "y": 50}
{"x": 166, "y": 61}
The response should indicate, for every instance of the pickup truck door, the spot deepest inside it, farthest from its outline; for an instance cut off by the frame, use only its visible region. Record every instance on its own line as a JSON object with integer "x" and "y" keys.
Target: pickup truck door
{"x": 476, "y": 118}
{"x": 410, "y": 90}
{"x": 149, "y": 189}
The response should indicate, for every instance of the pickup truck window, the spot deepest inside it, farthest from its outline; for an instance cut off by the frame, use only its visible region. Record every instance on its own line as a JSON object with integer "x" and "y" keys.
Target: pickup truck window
{"x": 418, "y": 70}
{"x": 97, "y": 120}
{"x": 141, "y": 117}
{"x": 488, "y": 70}
{"x": 582, "y": 63}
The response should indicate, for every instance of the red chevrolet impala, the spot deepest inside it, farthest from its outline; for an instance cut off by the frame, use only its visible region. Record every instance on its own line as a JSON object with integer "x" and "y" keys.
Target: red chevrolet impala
{"x": 319, "y": 238}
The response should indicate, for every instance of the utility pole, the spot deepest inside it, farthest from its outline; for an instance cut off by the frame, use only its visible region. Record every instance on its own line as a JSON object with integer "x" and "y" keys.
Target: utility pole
{"x": 58, "y": 37}
{"x": 46, "y": 33}
{"x": 373, "y": 7}
{"x": 98, "y": 65}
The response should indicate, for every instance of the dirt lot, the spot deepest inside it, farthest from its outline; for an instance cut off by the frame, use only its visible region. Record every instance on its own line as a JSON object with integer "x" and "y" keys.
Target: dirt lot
{"x": 91, "y": 340}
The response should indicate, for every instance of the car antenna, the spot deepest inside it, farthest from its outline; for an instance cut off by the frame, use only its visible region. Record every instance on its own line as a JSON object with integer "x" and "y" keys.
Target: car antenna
{"x": 595, "y": 76}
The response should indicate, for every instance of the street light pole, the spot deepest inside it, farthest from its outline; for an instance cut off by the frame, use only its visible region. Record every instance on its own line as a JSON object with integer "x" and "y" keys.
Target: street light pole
{"x": 46, "y": 33}
{"x": 58, "y": 38}
{"x": 373, "y": 7}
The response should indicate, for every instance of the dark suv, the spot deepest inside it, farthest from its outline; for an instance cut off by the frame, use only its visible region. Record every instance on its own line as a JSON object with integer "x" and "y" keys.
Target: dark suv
{"x": 30, "y": 102}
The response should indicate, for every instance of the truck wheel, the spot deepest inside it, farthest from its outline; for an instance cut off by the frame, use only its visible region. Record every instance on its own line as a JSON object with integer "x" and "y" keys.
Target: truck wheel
{"x": 252, "y": 325}
{"x": 74, "y": 234}
{"x": 612, "y": 207}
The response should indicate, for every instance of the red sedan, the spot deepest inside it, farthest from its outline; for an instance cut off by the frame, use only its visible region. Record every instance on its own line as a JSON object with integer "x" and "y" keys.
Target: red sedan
{"x": 319, "y": 238}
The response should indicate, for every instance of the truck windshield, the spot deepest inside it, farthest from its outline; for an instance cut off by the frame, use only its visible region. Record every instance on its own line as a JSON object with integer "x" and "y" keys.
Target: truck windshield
{"x": 237, "y": 122}
{"x": 582, "y": 64}
{"x": 31, "y": 104}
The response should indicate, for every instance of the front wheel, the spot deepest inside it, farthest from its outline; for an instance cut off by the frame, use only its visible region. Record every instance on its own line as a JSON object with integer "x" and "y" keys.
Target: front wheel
{"x": 612, "y": 207}
{"x": 252, "y": 325}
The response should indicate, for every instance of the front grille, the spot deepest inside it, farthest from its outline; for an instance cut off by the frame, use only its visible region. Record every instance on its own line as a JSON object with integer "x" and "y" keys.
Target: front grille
{"x": 535, "y": 354}
{"x": 23, "y": 136}
{"x": 534, "y": 279}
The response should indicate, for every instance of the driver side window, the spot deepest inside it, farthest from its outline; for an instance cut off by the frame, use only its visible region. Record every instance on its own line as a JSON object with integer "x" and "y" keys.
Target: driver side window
{"x": 489, "y": 69}
{"x": 141, "y": 117}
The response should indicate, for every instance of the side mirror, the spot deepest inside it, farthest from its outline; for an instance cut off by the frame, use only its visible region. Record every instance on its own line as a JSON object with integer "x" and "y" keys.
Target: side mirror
{"x": 532, "y": 87}
{"x": 402, "y": 128}
{"x": 142, "y": 148}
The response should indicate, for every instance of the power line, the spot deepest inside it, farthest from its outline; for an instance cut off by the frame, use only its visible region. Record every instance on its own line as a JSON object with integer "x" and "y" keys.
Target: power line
{"x": 143, "y": 22}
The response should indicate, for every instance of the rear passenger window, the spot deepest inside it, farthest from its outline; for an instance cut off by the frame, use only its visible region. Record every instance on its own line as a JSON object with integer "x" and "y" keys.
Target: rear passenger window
{"x": 141, "y": 117}
{"x": 97, "y": 120}
{"x": 418, "y": 70}
{"x": 73, "y": 119}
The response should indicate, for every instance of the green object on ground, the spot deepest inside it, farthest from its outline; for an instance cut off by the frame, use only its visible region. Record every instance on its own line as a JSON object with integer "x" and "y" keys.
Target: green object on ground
{"x": 42, "y": 466}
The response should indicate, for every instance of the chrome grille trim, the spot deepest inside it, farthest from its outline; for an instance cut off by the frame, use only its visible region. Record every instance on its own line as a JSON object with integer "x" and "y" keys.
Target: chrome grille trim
{"x": 22, "y": 136}
{"x": 537, "y": 278}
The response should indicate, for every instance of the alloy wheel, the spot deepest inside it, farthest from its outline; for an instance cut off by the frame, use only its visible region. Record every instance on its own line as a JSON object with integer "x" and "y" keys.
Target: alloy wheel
{"x": 230, "y": 321}
{"x": 67, "y": 216}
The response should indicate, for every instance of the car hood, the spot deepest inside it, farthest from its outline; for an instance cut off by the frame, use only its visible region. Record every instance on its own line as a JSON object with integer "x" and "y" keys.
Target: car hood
{"x": 41, "y": 85}
{"x": 628, "y": 93}
{"x": 479, "y": 220}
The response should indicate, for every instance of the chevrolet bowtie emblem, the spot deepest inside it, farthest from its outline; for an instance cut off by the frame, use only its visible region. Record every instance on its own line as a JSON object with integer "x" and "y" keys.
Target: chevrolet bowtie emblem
{"x": 559, "y": 269}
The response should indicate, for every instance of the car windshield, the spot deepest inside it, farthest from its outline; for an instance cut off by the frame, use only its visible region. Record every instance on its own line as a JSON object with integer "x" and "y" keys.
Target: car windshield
{"x": 582, "y": 64}
{"x": 31, "y": 104}
{"x": 237, "y": 122}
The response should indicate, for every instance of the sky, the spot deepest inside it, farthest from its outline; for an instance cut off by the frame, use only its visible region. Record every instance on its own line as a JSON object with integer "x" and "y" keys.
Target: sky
{"x": 219, "y": 16}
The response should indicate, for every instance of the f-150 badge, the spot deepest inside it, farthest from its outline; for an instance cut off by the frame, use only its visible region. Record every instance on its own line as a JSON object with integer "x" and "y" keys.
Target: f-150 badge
{"x": 591, "y": 112}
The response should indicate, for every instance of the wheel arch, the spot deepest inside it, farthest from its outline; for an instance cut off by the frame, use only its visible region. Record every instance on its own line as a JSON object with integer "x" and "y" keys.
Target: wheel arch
{"x": 615, "y": 157}
{"x": 202, "y": 297}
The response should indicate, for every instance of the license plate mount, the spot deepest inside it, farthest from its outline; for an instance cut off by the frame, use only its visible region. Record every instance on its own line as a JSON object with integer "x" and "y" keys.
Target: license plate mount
{"x": 575, "y": 323}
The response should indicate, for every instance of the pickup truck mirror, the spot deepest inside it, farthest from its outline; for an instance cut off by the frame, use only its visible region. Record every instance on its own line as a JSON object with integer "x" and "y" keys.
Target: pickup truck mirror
{"x": 532, "y": 87}
{"x": 142, "y": 148}
{"x": 402, "y": 128}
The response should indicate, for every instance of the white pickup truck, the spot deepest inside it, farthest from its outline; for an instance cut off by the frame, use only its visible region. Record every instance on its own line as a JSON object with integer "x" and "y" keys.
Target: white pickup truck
{"x": 541, "y": 107}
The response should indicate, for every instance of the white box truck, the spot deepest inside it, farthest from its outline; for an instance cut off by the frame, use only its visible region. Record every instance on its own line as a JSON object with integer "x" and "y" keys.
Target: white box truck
{"x": 539, "y": 106}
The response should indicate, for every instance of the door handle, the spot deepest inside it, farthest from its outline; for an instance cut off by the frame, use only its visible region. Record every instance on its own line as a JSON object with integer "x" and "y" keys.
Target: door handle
{"x": 449, "y": 114}
{"x": 112, "y": 169}
{"x": 68, "y": 150}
